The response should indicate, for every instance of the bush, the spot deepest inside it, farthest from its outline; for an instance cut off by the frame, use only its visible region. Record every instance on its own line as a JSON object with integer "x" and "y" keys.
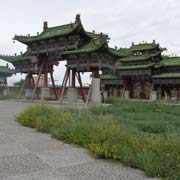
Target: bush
{"x": 120, "y": 132}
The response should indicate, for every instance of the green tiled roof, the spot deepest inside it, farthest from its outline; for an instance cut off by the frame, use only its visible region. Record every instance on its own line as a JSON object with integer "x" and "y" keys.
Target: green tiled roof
{"x": 143, "y": 47}
{"x": 135, "y": 58}
{"x": 5, "y": 71}
{"x": 93, "y": 45}
{"x": 11, "y": 59}
{"x": 139, "y": 58}
{"x": 135, "y": 67}
{"x": 171, "y": 61}
{"x": 122, "y": 52}
{"x": 166, "y": 76}
{"x": 109, "y": 77}
{"x": 51, "y": 32}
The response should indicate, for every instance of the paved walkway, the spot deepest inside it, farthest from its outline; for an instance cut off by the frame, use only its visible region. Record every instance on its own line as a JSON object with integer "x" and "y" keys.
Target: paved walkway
{"x": 28, "y": 155}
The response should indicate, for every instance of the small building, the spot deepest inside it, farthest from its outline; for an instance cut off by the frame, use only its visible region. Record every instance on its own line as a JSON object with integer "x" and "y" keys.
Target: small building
{"x": 166, "y": 80}
{"x": 137, "y": 69}
{"x": 5, "y": 72}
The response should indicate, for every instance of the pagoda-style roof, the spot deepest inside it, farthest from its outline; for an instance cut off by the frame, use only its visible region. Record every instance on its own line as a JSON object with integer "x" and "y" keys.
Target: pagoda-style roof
{"x": 17, "y": 58}
{"x": 167, "y": 76}
{"x": 139, "y": 57}
{"x": 53, "y": 32}
{"x": 95, "y": 44}
{"x": 5, "y": 71}
{"x": 132, "y": 67}
{"x": 170, "y": 62}
{"x": 144, "y": 46}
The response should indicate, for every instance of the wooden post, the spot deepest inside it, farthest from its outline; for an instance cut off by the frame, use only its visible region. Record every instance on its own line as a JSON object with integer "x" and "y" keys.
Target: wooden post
{"x": 64, "y": 85}
{"x": 23, "y": 87}
{"x": 81, "y": 86}
{"x": 36, "y": 85}
{"x": 6, "y": 84}
{"x": 53, "y": 83}
{"x": 64, "y": 77}
{"x": 102, "y": 92}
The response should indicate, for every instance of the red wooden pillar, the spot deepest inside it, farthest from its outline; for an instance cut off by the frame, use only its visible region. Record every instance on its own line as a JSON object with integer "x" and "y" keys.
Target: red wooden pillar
{"x": 81, "y": 86}
{"x": 66, "y": 77}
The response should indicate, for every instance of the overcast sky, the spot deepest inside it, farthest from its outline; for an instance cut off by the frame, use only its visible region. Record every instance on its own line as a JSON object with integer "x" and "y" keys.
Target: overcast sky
{"x": 125, "y": 21}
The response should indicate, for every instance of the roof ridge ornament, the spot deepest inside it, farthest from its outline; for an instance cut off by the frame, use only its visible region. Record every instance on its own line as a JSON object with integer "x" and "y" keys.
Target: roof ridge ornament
{"x": 78, "y": 19}
{"x": 101, "y": 37}
{"x": 45, "y": 25}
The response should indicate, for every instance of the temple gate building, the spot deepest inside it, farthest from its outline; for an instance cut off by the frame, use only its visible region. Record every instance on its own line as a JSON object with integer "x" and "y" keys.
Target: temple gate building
{"x": 138, "y": 72}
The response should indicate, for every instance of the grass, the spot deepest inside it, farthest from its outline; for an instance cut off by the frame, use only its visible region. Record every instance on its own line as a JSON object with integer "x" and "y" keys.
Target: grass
{"x": 143, "y": 135}
{"x": 7, "y": 97}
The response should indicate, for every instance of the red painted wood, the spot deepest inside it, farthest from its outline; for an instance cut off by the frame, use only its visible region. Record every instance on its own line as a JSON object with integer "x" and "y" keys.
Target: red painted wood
{"x": 81, "y": 87}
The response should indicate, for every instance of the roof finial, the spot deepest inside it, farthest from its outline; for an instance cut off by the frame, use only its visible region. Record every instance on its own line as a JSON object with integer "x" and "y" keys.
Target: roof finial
{"x": 78, "y": 18}
{"x": 101, "y": 36}
{"x": 45, "y": 25}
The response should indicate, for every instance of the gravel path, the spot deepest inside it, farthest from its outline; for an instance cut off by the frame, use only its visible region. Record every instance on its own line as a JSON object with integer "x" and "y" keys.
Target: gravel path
{"x": 28, "y": 155}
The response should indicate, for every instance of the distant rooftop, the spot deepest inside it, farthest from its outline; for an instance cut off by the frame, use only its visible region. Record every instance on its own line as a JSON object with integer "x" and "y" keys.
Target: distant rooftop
{"x": 144, "y": 46}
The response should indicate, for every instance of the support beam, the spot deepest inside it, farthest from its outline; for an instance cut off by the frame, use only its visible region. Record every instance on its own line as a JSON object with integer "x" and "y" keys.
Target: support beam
{"x": 65, "y": 83}
{"x": 65, "y": 76}
{"x": 81, "y": 86}
{"x": 23, "y": 87}
{"x": 39, "y": 75}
